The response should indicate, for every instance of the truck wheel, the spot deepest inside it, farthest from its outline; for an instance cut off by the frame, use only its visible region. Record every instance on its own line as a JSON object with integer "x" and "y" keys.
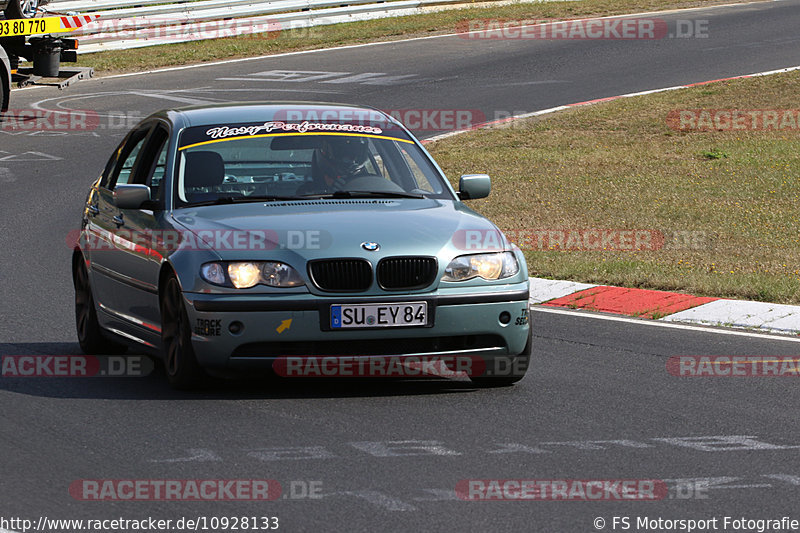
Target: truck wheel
{"x": 21, "y": 9}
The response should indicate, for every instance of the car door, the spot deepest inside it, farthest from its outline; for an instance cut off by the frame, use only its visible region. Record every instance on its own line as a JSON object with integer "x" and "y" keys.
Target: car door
{"x": 139, "y": 260}
{"x": 105, "y": 226}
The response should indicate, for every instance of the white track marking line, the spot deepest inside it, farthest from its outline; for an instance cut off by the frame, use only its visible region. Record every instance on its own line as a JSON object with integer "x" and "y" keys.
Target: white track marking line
{"x": 601, "y": 100}
{"x": 645, "y": 322}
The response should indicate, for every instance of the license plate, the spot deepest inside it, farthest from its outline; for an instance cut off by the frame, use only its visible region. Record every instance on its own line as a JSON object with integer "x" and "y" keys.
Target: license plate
{"x": 379, "y": 315}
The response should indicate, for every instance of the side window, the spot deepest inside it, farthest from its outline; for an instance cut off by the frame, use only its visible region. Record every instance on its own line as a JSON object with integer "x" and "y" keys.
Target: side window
{"x": 158, "y": 172}
{"x": 151, "y": 161}
{"x": 126, "y": 158}
{"x": 124, "y": 174}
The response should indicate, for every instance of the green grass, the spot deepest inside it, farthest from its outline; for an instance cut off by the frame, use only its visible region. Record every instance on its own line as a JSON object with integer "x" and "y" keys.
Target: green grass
{"x": 441, "y": 22}
{"x": 728, "y": 202}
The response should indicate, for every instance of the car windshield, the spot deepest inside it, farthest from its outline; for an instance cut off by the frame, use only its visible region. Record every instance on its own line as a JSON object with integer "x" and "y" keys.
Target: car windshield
{"x": 283, "y": 161}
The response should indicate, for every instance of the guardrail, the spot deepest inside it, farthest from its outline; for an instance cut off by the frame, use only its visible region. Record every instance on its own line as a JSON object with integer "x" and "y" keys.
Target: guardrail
{"x": 138, "y": 23}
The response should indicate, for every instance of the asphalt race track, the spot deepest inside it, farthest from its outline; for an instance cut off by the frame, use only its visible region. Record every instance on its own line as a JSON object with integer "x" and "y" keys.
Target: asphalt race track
{"x": 597, "y": 404}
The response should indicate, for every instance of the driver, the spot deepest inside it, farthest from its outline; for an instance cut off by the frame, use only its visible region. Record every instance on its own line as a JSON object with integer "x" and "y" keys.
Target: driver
{"x": 340, "y": 159}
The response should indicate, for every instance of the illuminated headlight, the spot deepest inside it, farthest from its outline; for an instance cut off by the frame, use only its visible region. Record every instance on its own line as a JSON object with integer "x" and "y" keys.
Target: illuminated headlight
{"x": 486, "y": 266}
{"x": 246, "y": 274}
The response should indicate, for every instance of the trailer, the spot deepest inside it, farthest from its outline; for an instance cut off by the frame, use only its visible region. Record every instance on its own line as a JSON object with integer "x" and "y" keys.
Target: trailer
{"x": 32, "y": 38}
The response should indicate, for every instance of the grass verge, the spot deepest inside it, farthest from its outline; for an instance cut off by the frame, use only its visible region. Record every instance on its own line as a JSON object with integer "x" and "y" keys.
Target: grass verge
{"x": 727, "y": 200}
{"x": 387, "y": 29}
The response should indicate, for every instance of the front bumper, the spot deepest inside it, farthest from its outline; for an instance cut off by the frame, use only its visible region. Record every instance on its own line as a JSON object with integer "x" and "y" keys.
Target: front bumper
{"x": 466, "y": 322}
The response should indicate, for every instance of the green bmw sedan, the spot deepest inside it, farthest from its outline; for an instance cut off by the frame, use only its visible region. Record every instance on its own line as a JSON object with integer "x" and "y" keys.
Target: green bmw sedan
{"x": 301, "y": 239}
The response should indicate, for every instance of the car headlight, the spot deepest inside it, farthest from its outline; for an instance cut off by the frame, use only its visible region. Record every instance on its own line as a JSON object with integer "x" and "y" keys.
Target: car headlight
{"x": 213, "y": 273}
{"x": 246, "y": 274}
{"x": 279, "y": 275}
{"x": 487, "y": 266}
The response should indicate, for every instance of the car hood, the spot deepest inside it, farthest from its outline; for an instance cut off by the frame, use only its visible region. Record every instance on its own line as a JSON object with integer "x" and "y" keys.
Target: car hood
{"x": 338, "y": 228}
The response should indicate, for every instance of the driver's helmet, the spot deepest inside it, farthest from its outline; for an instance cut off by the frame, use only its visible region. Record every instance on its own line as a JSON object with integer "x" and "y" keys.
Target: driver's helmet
{"x": 341, "y": 158}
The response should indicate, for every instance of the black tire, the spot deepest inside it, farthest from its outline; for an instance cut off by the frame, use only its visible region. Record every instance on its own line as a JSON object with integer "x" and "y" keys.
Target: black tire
{"x": 5, "y": 81}
{"x": 180, "y": 362}
{"x": 521, "y": 362}
{"x": 21, "y": 9}
{"x": 90, "y": 333}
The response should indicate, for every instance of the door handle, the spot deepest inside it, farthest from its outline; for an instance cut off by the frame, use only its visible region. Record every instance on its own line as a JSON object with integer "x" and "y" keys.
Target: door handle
{"x": 93, "y": 209}
{"x": 118, "y": 220}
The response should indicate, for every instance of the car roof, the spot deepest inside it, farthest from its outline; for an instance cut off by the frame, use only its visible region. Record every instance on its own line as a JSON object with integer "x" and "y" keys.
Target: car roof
{"x": 249, "y": 112}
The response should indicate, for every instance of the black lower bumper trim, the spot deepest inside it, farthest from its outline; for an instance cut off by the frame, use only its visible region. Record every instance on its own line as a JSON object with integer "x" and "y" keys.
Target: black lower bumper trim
{"x": 265, "y": 305}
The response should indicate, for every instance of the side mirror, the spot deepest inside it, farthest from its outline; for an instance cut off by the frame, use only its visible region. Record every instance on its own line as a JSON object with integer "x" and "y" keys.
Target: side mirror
{"x": 474, "y": 186}
{"x": 128, "y": 196}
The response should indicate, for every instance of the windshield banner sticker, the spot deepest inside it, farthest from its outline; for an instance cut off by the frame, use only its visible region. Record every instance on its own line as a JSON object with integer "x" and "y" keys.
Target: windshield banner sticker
{"x": 225, "y": 132}
{"x": 220, "y": 132}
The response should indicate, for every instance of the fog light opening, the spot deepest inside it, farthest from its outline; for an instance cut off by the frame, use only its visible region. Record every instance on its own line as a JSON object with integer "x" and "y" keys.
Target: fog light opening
{"x": 236, "y": 327}
{"x": 505, "y": 318}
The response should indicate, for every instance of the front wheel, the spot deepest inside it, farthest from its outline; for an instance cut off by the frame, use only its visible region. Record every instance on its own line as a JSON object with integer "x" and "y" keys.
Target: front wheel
{"x": 180, "y": 363}
{"x": 517, "y": 369}
{"x": 90, "y": 334}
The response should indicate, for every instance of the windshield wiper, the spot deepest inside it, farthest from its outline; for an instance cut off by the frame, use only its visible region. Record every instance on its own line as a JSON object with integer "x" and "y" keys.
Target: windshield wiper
{"x": 245, "y": 199}
{"x": 265, "y": 198}
{"x": 366, "y": 194}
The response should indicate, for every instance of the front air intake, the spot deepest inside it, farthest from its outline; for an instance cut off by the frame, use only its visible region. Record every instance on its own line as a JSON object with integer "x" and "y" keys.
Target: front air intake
{"x": 341, "y": 275}
{"x": 406, "y": 273}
